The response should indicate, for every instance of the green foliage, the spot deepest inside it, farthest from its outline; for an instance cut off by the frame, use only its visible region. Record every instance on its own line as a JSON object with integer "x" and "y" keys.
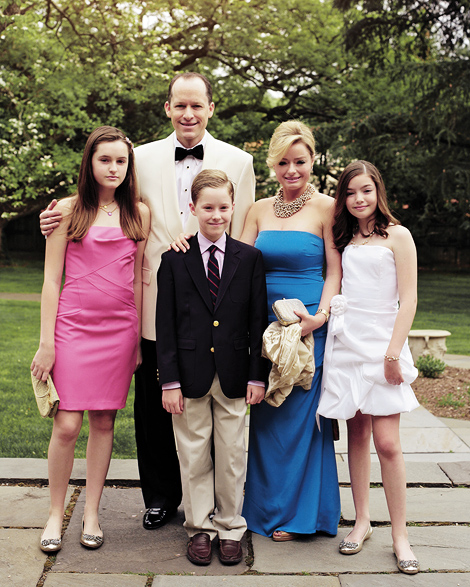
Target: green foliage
{"x": 429, "y": 366}
{"x": 384, "y": 81}
{"x": 450, "y": 401}
{"x": 418, "y": 133}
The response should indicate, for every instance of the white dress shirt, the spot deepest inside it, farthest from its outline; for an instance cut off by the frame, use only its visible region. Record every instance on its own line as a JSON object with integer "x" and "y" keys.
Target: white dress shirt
{"x": 186, "y": 170}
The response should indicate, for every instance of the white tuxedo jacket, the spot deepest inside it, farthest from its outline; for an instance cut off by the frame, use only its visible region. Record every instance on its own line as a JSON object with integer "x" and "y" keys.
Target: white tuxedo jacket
{"x": 156, "y": 177}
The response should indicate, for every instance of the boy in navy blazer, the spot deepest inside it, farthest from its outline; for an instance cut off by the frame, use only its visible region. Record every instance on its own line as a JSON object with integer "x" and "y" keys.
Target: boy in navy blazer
{"x": 211, "y": 315}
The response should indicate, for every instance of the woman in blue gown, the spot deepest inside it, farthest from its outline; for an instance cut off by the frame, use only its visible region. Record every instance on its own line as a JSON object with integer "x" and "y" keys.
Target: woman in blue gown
{"x": 292, "y": 484}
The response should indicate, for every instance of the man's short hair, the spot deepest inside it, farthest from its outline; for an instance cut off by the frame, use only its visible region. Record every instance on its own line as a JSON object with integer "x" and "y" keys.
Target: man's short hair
{"x": 189, "y": 75}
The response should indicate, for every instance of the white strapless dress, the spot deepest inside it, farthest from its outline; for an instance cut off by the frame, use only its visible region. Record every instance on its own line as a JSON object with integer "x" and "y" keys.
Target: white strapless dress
{"x": 359, "y": 331}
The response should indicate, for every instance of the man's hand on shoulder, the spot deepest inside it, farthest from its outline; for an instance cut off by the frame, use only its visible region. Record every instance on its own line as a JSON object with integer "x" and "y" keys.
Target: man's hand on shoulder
{"x": 49, "y": 219}
{"x": 180, "y": 243}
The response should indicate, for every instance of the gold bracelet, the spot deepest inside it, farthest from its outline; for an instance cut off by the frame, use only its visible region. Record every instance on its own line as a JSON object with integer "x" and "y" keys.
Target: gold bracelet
{"x": 391, "y": 358}
{"x": 324, "y": 312}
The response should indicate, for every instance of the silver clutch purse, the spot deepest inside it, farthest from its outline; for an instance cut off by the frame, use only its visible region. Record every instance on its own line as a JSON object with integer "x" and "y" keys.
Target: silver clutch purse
{"x": 284, "y": 310}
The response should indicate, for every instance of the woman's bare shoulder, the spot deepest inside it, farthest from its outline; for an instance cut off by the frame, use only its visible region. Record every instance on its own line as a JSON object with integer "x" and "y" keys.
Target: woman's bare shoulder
{"x": 264, "y": 202}
{"x": 324, "y": 200}
{"x": 261, "y": 205}
{"x": 398, "y": 231}
{"x": 66, "y": 205}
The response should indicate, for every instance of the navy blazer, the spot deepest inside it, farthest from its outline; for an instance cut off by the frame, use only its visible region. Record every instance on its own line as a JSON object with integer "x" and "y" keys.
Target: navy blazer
{"x": 195, "y": 339}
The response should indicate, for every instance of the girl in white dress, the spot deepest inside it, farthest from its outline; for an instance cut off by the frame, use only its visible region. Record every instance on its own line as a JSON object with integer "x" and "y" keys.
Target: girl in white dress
{"x": 368, "y": 366}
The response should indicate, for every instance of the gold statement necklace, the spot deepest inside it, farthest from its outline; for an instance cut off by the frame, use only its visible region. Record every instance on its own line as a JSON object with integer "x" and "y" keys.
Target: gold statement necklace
{"x": 287, "y": 209}
{"x": 105, "y": 208}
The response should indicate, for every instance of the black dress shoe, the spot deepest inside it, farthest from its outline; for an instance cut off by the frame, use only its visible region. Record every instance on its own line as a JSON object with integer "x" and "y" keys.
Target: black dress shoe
{"x": 157, "y": 517}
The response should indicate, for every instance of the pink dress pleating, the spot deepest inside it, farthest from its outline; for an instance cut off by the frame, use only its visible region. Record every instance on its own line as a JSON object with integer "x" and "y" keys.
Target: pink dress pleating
{"x": 96, "y": 333}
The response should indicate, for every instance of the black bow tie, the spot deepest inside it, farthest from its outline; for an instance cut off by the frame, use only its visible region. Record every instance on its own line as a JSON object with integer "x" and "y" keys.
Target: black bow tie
{"x": 181, "y": 153}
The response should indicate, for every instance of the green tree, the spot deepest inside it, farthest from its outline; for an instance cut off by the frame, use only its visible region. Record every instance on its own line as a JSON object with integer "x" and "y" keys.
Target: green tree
{"x": 384, "y": 81}
{"x": 418, "y": 133}
{"x": 68, "y": 65}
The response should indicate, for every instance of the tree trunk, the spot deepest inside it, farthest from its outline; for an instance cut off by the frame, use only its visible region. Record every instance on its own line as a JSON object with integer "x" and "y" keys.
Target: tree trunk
{"x": 4, "y": 256}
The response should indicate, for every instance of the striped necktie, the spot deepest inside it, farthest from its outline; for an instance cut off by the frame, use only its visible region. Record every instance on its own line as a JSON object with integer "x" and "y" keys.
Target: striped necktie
{"x": 213, "y": 275}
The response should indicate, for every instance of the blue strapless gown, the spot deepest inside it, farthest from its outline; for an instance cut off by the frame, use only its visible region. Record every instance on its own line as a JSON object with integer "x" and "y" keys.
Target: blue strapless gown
{"x": 292, "y": 482}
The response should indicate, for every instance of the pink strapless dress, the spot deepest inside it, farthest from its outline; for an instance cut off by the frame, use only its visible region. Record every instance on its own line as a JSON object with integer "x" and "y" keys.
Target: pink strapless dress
{"x": 96, "y": 333}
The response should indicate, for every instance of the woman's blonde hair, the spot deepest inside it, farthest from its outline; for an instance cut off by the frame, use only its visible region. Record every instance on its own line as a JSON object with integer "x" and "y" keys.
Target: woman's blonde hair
{"x": 285, "y": 135}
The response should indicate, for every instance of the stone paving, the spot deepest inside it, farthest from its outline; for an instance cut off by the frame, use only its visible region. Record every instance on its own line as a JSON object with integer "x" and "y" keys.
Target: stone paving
{"x": 437, "y": 456}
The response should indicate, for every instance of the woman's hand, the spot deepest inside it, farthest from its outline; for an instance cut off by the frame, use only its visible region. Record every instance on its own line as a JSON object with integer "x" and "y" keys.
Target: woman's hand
{"x": 180, "y": 243}
{"x": 310, "y": 323}
{"x": 43, "y": 362}
{"x": 392, "y": 372}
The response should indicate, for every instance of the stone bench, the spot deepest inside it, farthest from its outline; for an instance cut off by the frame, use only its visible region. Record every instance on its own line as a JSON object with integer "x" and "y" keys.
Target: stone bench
{"x": 428, "y": 342}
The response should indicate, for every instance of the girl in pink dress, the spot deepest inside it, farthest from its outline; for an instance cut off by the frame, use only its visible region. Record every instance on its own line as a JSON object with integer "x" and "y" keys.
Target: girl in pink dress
{"x": 90, "y": 332}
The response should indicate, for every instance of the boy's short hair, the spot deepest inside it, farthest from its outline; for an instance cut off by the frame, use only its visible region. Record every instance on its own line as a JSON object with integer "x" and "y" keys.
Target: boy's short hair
{"x": 210, "y": 178}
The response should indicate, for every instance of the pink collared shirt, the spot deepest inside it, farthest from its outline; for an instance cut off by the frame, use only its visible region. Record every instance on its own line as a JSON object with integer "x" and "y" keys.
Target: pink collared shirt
{"x": 205, "y": 244}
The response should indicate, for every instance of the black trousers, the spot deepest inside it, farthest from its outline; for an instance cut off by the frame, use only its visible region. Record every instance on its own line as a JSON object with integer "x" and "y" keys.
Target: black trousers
{"x": 156, "y": 449}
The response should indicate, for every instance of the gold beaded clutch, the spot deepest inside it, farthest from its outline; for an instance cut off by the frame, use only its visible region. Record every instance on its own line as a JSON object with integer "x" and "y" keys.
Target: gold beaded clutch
{"x": 284, "y": 310}
{"x": 46, "y": 396}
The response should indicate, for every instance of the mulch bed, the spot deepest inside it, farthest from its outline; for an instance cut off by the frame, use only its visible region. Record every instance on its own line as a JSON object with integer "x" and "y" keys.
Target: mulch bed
{"x": 447, "y": 396}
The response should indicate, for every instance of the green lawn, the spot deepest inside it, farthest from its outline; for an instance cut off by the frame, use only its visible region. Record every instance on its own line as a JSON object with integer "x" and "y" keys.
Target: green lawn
{"x": 24, "y": 275}
{"x": 23, "y": 432}
{"x": 443, "y": 304}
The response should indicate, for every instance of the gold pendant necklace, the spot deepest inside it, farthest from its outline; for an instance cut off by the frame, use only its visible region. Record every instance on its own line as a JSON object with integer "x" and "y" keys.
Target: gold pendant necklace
{"x": 104, "y": 207}
{"x": 287, "y": 209}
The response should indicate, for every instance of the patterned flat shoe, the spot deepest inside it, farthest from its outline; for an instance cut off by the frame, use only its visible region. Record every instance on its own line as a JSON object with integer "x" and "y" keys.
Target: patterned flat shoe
{"x": 90, "y": 540}
{"x": 409, "y": 567}
{"x": 346, "y": 547}
{"x": 50, "y": 545}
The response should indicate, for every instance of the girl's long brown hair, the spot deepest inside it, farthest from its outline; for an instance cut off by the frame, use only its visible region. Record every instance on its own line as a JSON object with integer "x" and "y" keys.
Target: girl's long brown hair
{"x": 86, "y": 204}
{"x": 345, "y": 223}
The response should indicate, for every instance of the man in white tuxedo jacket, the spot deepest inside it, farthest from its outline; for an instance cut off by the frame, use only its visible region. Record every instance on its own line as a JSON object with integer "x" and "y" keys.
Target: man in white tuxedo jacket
{"x": 165, "y": 186}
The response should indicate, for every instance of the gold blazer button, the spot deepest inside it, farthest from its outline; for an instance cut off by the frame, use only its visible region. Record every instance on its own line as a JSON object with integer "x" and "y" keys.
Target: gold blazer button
{"x": 212, "y": 349}
{"x": 215, "y": 323}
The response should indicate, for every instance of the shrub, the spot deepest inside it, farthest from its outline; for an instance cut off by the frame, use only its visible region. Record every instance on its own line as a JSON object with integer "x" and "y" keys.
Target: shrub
{"x": 429, "y": 366}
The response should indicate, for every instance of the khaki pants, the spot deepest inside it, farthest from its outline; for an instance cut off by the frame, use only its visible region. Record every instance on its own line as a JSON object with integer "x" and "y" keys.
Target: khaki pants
{"x": 207, "y": 484}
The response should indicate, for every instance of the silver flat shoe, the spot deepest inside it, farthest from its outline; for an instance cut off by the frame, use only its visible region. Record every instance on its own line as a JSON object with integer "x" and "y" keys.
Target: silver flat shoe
{"x": 409, "y": 567}
{"x": 50, "y": 545}
{"x": 346, "y": 547}
{"x": 90, "y": 540}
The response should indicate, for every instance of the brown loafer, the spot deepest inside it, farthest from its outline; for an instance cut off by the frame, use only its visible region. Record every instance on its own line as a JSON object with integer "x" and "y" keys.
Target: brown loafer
{"x": 230, "y": 552}
{"x": 200, "y": 549}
